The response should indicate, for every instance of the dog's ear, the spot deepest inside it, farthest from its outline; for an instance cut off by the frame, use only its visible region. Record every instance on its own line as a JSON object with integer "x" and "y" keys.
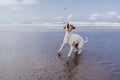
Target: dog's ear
{"x": 73, "y": 27}
{"x": 64, "y": 26}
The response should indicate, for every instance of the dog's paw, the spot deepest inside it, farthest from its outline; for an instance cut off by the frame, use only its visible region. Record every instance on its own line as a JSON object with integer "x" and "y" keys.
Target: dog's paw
{"x": 68, "y": 55}
{"x": 75, "y": 51}
{"x": 59, "y": 54}
{"x": 79, "y": 52}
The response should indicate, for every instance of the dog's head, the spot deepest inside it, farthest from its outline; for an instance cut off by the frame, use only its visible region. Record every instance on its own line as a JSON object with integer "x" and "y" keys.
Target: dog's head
{"x": 69, "y": 27}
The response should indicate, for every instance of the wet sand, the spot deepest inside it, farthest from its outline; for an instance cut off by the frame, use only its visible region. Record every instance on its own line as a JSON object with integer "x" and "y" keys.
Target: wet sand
{"x": 33, "y": 56}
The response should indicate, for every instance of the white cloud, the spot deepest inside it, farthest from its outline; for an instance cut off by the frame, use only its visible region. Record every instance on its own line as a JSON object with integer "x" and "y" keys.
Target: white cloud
{"x": 118, "y": 17}
{"x": 113, "y": 15}
{"x": 35, "y": 17}
{"x": 29, "y": 1}
{"x": 17, "y": 2}
{"x": 96, "y": 16}
{"x": 58, "y": 18}
{"x": 14, "y": 8}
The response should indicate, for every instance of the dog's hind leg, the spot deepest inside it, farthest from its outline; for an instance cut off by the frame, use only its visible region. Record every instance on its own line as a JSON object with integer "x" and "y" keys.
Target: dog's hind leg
{"x": 79, "y": 49}
{"x": 69, "y": 54}
{"x": 76, "y": 48}
{"x": 75, "y": 44}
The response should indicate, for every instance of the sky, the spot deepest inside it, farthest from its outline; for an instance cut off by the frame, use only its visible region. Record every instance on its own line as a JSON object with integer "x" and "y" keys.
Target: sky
{"x": 59, "y": 10}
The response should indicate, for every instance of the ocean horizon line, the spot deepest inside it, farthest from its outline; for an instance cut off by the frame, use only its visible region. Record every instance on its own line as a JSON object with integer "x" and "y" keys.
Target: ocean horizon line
{"x": 76, "y": 23}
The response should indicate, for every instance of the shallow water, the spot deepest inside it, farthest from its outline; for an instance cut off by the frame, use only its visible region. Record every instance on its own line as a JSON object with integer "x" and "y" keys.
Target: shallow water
{"x": 33, "y": 56}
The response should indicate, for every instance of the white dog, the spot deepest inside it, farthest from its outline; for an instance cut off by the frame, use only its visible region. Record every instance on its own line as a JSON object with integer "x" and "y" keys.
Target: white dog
{"x": 75, "y": 41}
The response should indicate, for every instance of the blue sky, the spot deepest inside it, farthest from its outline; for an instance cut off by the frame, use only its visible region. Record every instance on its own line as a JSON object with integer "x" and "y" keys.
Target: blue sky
{"x": 59, "y": 10}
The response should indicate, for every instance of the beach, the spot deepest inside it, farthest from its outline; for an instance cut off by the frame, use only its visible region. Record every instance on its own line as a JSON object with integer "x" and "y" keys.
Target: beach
{"x": 33, "y": 56}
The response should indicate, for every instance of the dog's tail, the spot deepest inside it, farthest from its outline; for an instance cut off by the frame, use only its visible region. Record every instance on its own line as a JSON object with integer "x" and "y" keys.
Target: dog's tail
{"x": 85, "y": 41}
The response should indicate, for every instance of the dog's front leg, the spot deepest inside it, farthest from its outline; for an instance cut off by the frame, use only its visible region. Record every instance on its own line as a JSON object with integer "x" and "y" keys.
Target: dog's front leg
{"x": 69, "y": 54}
{"x": 59, "y": 52}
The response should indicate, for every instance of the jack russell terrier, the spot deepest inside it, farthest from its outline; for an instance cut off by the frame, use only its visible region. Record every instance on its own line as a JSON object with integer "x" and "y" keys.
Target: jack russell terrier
{"x": 75, "y": 41}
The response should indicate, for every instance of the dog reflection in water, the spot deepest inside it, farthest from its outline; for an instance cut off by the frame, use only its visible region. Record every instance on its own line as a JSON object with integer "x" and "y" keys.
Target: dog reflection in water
{"x": 70, "y": 66}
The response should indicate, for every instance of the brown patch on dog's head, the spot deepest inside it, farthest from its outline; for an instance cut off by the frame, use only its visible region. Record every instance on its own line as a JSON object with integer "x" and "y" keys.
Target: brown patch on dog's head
{"x": 64, "y": 26}
{"x": 72, "y": 26}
